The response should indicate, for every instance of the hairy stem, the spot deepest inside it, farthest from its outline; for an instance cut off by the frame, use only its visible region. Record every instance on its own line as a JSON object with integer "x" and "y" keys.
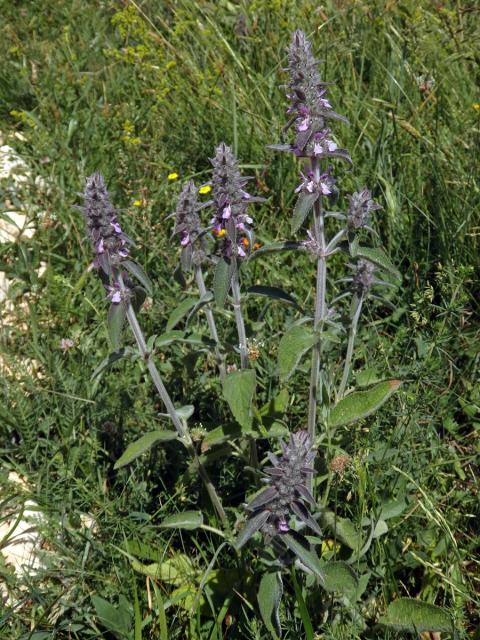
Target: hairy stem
{"x": 320, "y": 306}
{"x": 211, "y": 322}
{"x": 357, "y": 303}
{"x": 242, "y": 343}
{"x": 167, "y": 401}
{"x": 242, "y": 336}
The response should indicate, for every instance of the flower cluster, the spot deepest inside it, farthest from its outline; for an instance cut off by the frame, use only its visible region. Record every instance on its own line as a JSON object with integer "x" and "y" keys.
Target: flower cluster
{"x": 323, "y": 185}
{"x": 363, "y": 278}
{"x": 230, "y": 200}
{"x": 309, "y": 107}
{"x": 361, "y": 205}
{"x": 109, "y": 242}
{"x": 287, "y": 490}
{"x": 187, "y": 225}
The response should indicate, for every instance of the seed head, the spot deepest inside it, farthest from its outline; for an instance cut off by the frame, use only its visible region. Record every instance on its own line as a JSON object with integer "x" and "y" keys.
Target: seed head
{"x": 109, "y": 242}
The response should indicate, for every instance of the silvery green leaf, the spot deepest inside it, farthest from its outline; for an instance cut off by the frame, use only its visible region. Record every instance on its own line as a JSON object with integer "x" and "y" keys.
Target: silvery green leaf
{"x": 269, "y": 597}
{"x": 222, "y": 280}
{"x": 253, "y": 525}
{"x": 115, "y": 321}
{"x": 302, "y": 208}
{"x": 273, "y": 292}
{"x": 180, "y": 312}
{"x": 285, "y": 245}
{"x": 137, "y": 271}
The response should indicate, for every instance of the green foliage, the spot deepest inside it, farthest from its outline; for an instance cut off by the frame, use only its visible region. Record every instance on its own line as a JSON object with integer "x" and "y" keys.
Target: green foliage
{"x": 144, "y": 90}
{"x": 407, "y": 614}
{"x": 360, "y": 404}
{"x": 293, "y": 345}
{"x": 238, "y": 391}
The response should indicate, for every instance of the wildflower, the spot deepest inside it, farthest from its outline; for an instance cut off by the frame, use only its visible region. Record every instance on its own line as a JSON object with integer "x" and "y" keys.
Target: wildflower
{"x": 230, "y": 200}
{"x": 172, "y": 176}
{"x": 66, "y": 344}
{"x": 286, "y": 493}
{"x": 476, "y": 106}
{"x": 117, "y": 294}
{"x": 187, "y": 225}
{"x": 310, "y": 109}
{"x": 137, "y": 203}
{"x": 109, "y": 242}
{"x": 205, "y": 189}
{"x": 323, "y": 186}
{"x": 361, "y": 205}
{"x": 339, "y": 464}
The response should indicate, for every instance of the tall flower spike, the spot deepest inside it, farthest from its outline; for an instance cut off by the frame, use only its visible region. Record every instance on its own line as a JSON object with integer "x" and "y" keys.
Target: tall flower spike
{"x": 109, "y": 242}
{"x": 187, "y": 225}
{"x": 286, "y": 493}
{"x": 310, "y": 108}
{"x": 230, "y": 201}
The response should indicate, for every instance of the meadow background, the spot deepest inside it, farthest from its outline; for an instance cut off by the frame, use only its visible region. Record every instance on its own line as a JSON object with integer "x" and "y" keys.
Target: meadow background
{"x": 142, "y": 90}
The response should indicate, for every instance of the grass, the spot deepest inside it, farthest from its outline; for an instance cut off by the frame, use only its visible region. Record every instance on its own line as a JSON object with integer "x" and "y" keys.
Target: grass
{"x": 138, "y": 91}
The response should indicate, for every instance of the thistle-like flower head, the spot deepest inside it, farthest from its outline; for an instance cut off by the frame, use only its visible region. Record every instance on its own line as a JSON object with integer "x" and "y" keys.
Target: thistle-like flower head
{"x": 230, "y": 201}
{"x": 361, "y": 205}
{"x": 187, "y": 225}
{"x": 363, "y": 278}
{"x": 109, "y": 242}
{"x": 286, "y": 493}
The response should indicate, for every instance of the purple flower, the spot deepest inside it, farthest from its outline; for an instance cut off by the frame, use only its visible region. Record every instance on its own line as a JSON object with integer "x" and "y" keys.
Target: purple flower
{"x": 187, "y": 226}
{"x": 109, "y": 242}
{"x": 231, "y": 222}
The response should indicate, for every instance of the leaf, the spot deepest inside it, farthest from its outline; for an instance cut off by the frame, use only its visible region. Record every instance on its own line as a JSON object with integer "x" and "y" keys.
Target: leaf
{"x": 222, "y": 280}
{"x": 341, "y": 578}
{"x": 137, "y": 271}
{"x": 269, "y": 597}
{"x": 343, "y": 529}
{"x": 302, "y": 208}
{"x": 306, "y": 557}
{"x": 204, "y": 300}
{"x": 138, "y": 298}
{"x": 379, "y": 258}
{"x": 273, "y": 292}
{"x": 168, "y": 337}
{"x": 115, "y": 321}
{"x": 274, "y": 247}
{"x": 188, "y": 520}
{"x": 142, "y": 445}
{"x": 185, "y": 412}
{"x": 238, "y": 391}
{"x": 177, "y": 570}
{"x": 221, "y": 434}
{"x": 360, "y": 404}
{"x": 408, "y": 614}
{"x": 180, "y": 312}
{"x": 294, "y": 343}
{"x": 118, "y": 621}
{"x": 111, "y": 358}
{"x": 254, "y": 524}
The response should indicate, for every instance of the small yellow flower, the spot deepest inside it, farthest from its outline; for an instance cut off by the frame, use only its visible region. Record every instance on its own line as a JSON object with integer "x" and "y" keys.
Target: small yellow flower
{"x": 206, "y": 189}
{"x": 172, "y": 176}
{"x": 137, "y": 203}
{"x": 220, "y": 233}
{"x": 476, "y": 106}
{"x": 245, "y": 242}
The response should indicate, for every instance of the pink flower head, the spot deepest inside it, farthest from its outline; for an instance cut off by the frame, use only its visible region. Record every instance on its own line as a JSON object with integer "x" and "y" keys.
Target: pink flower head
{"x": 116, "y": 227}
{"x": 185, "y": 240}
{"x": 227, "y": 212}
